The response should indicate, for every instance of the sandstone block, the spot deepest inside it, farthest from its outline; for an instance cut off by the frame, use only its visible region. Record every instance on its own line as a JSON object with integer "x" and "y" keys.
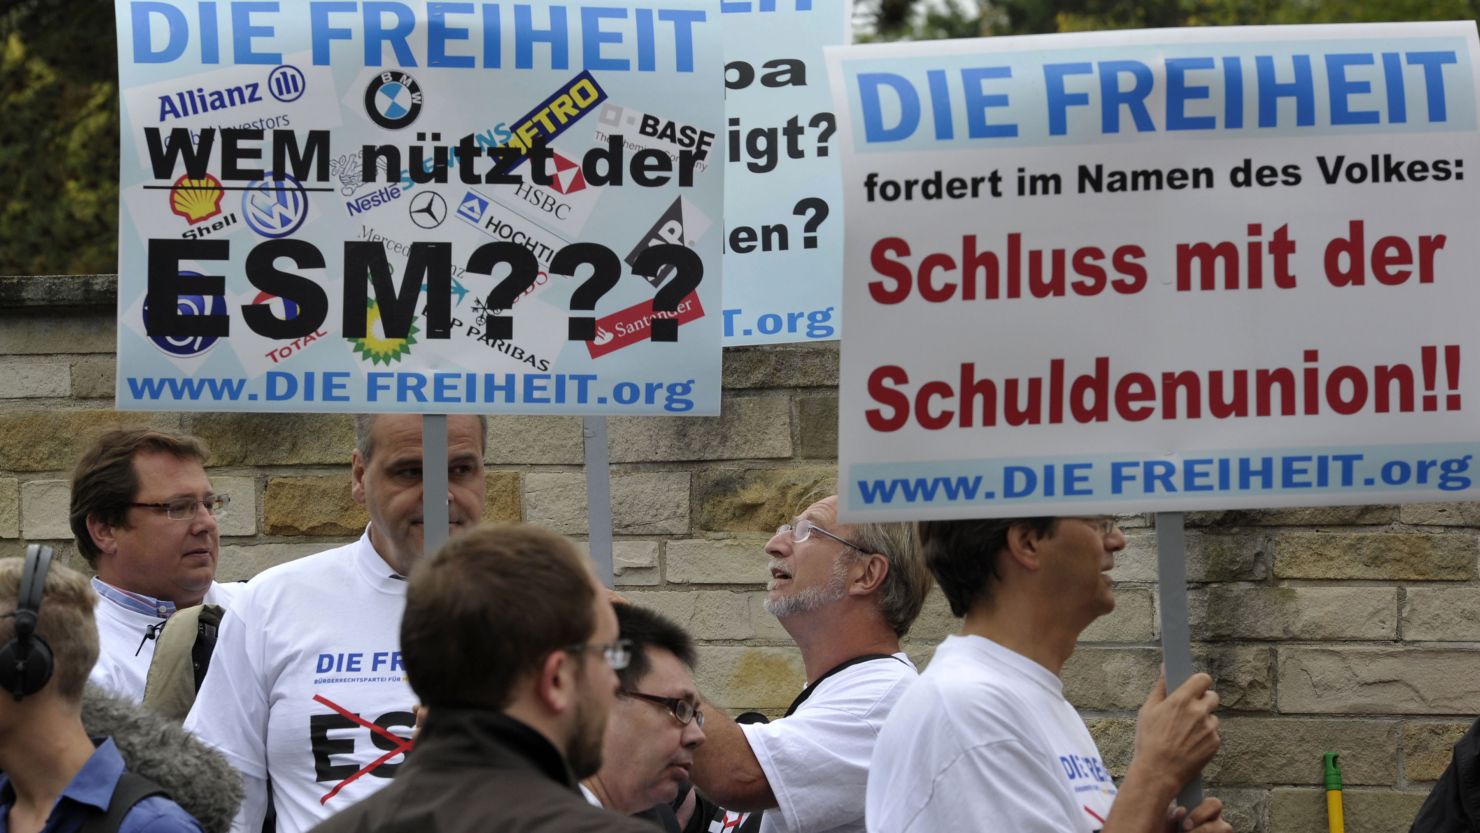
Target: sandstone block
{"x": 817, "y": 416}
{"x": 240, "y": 562}
{"x": 643, "y": 503}
{"x": 535, "y": 440}
{"x": 1441, "y": 614}
{"x": 34, "y": 378}
{"x": 1428, "y": 748}
{"x": 51, "y": 440}
{"x": 1297, "y": 516}
{"x": 93, "y": 377}
{"x": 708, "y": 615}
{"x": 1303, "y": 810}
{"x": 749, "y": 427}
{"x": 1404, "y": 556}
{"x": 241, "y": 518}
{"x": 935, "y": 621}
{"x": 10, "y": 507}
{"x": 502, "y": 502}
{"x": 313, "y": 504}
{"x": 755, "y": 500}
{"x": 718, "y": 561}
{"x": 766, "y": 626}
{"x": 1230, "y": 611}
{"x": 53, "y": 334}
{"x": 1133, "y": 620}
{"x": 1106, "y": 678}
{"x": 1115, "y": 737}
{"x": 44, "y": 510}
{"x": 739, "y": 678}
{"x": 1210, "y": 556}
{"x": 635, "y": 563}
{"x": 1259, "y": 750}
{"x": 238, "y": 439}
{"x": 1244, "y": 809}
{"x": 1440, "y": 514}
{"x": 808, "y": 365}
{"x": 1377, "y": 680}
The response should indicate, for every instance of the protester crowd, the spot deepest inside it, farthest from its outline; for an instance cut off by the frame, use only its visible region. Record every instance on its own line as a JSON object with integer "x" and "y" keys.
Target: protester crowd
{"x": 495, "y": 685}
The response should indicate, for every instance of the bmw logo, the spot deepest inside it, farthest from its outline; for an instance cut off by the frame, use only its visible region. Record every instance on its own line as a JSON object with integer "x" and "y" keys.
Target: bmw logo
{"x": 393, "y": 99}
{"x": 275, "y": 207}
{"x": 187, "y": 346}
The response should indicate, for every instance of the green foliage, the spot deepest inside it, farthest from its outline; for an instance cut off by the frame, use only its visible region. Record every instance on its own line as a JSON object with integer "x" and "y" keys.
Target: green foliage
{"x": 59, "y": 139}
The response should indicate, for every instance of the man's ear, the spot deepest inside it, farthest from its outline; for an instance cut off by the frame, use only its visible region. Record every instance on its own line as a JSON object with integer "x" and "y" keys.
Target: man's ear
{"x": 556, "y": 683}
{"x": 868, "y": 575}
{"x": 1024, "y": 547}
{"x": 102, "y": 534}
{"x": 357, "y": 478}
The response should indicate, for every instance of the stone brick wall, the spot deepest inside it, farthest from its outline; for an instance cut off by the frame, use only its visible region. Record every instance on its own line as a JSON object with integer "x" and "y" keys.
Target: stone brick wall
{"x": 1354, "y": 629}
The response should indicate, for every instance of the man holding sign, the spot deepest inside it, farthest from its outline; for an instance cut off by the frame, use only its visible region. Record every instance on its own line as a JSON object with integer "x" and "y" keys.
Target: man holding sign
{"x": 986, "y": 732}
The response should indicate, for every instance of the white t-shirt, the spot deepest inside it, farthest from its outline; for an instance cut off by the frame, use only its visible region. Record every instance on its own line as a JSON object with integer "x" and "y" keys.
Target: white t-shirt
{"x": 126, "y": 641}
{"x": 986, "y": 741}
{"x": 307, "y": 687}
{"x": 816, "y": 760}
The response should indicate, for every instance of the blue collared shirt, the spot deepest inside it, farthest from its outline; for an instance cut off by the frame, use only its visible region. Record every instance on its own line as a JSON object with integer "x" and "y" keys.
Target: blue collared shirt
{"x": 89, "y": 793}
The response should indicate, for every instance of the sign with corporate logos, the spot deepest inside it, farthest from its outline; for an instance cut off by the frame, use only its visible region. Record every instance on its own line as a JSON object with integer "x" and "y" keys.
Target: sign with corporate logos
{"x": 433, "y": 208}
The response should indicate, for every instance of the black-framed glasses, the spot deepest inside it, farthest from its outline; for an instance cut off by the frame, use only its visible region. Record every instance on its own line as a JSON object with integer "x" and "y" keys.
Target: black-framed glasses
{"x": 803, "y": 529}
{"x": 184, "y": 508}
{"x": 684, "y": 711}
{"x": 618, "y": 654}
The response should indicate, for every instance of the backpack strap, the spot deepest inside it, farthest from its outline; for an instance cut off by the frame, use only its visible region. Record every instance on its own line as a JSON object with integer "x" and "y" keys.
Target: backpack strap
{"x": 181, "y": 658}
{"x": 130, "y": 790}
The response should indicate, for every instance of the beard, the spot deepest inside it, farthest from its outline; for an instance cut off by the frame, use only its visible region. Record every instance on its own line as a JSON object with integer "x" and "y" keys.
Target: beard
{"x": 583, "y": 752}
{"x": 813, "y": 597}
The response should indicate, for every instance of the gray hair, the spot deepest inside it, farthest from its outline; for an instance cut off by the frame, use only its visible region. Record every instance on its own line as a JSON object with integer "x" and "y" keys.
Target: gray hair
{"x": 365, "y": 438}
{"x": 908, "y": 582}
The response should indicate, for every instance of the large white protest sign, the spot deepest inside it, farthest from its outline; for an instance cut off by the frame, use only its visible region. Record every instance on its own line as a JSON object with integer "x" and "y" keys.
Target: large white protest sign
{"x": 447, "y": 207}
{"x": 1160, "y": 270}
{"x": 783, "y": 196}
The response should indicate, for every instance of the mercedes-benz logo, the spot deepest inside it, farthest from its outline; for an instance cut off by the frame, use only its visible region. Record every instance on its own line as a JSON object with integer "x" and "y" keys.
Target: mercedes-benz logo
{"x": 428, "y": 209}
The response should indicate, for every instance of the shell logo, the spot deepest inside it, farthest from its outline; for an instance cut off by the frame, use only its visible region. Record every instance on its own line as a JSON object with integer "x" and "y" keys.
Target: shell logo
{"x": 196, "y": 199}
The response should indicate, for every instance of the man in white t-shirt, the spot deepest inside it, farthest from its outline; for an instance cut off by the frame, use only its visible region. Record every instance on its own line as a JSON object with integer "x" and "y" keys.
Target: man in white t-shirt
{"x": 144, "y": 515}
{"x": 307, "y": 690}
{"x": 985, "y": 738}
{"x": 846, "y": 595}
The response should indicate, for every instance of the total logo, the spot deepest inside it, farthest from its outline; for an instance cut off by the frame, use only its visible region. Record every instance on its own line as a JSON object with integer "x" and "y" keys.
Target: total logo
{"x": 285, "y": 310}
{"x": 275, "y": 207}
{"x": 185, "y": 347}
{"x": 393, "y": 99}
{"x": 198, "y": 200}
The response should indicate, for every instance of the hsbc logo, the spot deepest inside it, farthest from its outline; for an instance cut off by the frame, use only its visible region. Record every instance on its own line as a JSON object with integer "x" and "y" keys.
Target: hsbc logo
{"x": 567, "y": 175}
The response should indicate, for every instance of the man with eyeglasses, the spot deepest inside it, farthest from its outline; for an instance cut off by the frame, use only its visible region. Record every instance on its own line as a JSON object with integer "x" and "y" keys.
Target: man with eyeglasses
{"x": 307, "y": 695}
{"x": 655, "y": 725}
{"x": 985, "y": 738}
{"x": 144, "y": 515}
{"x": 512, "y": 646}
{"x": 846, "y": 594}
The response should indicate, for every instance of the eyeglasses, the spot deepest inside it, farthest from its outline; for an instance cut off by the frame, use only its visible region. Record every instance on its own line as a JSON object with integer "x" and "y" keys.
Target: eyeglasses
{"x": 184, "y": 508}
{"x": 803, "y": 529}
{"x": 682, "y": 710}
{"x": 1105, "y": 523}
{"x": 618, "y": 654}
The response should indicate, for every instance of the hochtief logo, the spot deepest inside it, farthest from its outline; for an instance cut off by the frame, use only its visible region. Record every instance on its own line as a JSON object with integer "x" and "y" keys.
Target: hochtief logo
{"x": 187, "y": 346}
{"x": 393, "y": 99}
{"x": 473, "y": 207}
{"x": 275, "y": 207}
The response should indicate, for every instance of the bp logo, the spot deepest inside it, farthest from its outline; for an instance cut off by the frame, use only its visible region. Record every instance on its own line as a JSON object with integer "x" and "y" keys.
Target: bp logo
{"x": 187, "y": 346}
{"x": 376, "y": 347}
{"x": 393, "y": 99}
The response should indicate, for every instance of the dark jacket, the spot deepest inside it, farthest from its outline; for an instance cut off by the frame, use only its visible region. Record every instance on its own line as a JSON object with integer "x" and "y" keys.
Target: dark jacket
{"x": 1454, "y": 805}
{"x": 476, "y": 771}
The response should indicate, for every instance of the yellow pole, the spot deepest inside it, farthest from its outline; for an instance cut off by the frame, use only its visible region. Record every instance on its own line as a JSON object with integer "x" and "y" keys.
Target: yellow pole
{"x": 1335, "y": 820}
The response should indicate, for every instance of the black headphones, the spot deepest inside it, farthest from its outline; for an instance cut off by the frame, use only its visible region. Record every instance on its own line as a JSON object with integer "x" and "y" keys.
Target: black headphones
{"x": 25, "y": 661}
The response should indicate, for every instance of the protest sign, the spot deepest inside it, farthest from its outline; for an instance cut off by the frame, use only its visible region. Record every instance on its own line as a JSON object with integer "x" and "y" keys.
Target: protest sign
{"x": 441, "y": 208}
{"x": 783, "y": 196}
{"x": 1159, "y": 271}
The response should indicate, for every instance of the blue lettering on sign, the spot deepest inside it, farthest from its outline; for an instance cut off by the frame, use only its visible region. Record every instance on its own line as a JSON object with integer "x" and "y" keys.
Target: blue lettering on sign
{"x": 611, "y": 39}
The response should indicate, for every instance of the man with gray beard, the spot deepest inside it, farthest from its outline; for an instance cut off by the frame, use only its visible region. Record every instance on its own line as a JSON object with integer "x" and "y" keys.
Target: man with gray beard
{"x": 846, "y": 595}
